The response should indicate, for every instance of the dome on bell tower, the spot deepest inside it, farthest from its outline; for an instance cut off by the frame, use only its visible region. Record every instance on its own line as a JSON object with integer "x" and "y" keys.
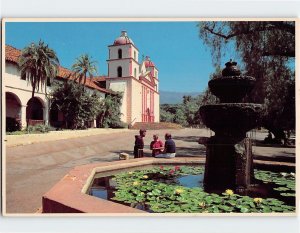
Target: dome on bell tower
{"x": 123, "y": 39}
{"x": 148, "y": 62}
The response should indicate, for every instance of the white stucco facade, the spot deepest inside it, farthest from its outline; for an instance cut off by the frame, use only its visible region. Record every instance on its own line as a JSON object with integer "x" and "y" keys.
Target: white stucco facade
{"x": 17, "y": 94}
{"x": 120, "y": 86}
{"x": 22, "y": 92}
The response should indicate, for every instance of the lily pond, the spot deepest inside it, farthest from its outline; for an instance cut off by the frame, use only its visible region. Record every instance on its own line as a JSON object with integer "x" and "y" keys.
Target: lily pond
{"x": 179, "y": 189}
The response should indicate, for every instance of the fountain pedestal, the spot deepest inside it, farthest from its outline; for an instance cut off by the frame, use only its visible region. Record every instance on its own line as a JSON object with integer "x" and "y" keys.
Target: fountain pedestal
{"x": 228, "y": 153}
{"x": 229, "y": 164}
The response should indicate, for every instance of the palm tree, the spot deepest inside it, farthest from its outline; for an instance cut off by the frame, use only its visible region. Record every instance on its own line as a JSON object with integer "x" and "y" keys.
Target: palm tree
{"x": 84, "y": 66}
{"x": 38, "y": 63}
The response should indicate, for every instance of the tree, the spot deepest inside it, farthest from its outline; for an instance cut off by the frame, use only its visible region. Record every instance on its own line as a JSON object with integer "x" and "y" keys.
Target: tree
{"x": 84, "y": 67}
{"x": 166, "y": 116}
{"x": 110, "y": 111}
{"x": 190, "y": 107}
{"x": 179, "y": 117}
{"x": 184, "y": 113}
{"x": 77, "y": 105}
{"x": 39, "y": 64}
{"x": 267, "y": 52}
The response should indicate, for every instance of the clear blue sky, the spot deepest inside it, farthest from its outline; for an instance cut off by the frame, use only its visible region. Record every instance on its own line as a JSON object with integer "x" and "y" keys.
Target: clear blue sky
{"x": 183, "y": 61}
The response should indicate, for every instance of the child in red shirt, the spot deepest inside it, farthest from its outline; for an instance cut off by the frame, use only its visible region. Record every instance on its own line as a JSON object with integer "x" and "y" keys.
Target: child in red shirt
{"x": 156, "y": 145}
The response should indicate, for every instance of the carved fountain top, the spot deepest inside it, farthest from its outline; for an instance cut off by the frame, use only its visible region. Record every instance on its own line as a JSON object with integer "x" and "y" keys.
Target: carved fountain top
{"x": 231, "y": 87}
{"x": 231, "y": 69}
{"x": 231, "y": 117}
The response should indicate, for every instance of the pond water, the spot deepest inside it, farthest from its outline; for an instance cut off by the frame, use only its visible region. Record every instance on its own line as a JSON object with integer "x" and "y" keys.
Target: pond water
{"x": 105, "y": 187}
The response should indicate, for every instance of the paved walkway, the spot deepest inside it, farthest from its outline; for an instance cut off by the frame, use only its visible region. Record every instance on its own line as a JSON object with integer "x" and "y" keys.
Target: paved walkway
{"x": 31, "y": 170}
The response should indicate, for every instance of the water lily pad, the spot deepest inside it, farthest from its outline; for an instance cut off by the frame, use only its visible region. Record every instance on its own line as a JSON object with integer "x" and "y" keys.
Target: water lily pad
{"x": 288, "y": 194}
{"x": 161, "y": 197}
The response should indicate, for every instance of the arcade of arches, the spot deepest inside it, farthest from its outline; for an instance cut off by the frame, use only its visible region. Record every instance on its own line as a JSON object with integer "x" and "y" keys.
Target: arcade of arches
{"x": 33, "y": 112}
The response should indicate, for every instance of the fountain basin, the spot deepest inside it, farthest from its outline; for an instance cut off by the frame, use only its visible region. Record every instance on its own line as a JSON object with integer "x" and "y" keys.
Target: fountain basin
{"x": 231, "y": 89}
{"x": 70, "y": 194}
{"x": 231, "y": 119}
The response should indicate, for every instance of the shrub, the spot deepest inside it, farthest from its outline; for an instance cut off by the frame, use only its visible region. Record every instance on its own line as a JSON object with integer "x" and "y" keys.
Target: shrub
{"x": 77, "y": 104}
{"x": 119, "y": 125}
{"x": 16, "y": 133}
{"x": 12, "y": 124}
{"x": 39, "y": 128}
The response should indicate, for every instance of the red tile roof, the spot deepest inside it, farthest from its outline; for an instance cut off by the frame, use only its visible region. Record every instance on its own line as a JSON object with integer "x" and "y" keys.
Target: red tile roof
{"x": 12, "y": 54}
{"x": 100, "y": 78}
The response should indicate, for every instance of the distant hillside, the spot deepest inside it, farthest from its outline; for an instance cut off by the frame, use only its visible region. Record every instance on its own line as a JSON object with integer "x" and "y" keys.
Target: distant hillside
{"x": 170, "y": 97}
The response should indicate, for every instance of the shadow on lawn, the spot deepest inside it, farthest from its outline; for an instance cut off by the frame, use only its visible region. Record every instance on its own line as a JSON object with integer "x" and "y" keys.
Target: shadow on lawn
{"x": 190, "y": 152}
{"x": 187, "y": 138}
{"x": 276, "y": 145}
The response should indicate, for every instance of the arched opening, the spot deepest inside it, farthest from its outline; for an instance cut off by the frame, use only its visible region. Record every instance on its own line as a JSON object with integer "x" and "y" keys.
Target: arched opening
{"x": 119, "y": 71}
{"x": 120, "y": 53}
{"x": 13, "y": 112}
{"x": 13, "y": 105}
{"x": 56, "y": 117}
{"x": 34, "y": 111}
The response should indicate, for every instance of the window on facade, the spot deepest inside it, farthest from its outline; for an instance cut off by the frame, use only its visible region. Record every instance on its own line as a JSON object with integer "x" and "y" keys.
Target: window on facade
{"x": 119, "y": 71}
{"x": 135, "y": 72}
{"x": 134, "y": 55}
{"x": 120, "y": 53}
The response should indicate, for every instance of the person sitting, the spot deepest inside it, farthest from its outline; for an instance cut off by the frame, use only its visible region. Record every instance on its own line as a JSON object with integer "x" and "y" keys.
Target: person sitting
{"x": 169, "y": 149}
{"x": 139, "y": 144}
{"x": 156, "y": 146}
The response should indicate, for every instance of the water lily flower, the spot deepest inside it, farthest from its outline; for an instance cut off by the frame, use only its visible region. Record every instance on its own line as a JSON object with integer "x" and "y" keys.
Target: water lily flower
{"x": 145, "y": 177}
{"x": 172, "y": 171}
{"x": 130, "y": 173}
{"x": 135, "y": 183}
{"x": 161, "y": 167}
{"x": 177, "y": 168}
{"x": 229, "y": 192}
{"x": 283, "y": 174}
{"x": 292, "y": 174}
{"x": 202, "y": 204}
{"x": 179, "y": 191}
{"x": 142, "y": 193}
{"x": 257, "y": 200}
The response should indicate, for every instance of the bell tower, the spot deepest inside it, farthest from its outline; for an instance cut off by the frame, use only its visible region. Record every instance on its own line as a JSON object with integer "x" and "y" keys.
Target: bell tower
{"x": 123, "y": 58}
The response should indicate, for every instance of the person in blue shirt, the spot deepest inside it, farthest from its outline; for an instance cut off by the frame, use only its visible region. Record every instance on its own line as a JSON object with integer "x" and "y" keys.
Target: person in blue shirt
{"x": 169, "y": 149}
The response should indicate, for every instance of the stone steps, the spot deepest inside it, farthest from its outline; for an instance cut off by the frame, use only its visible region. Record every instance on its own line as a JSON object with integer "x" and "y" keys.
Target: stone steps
{"x": 155, "y": 125}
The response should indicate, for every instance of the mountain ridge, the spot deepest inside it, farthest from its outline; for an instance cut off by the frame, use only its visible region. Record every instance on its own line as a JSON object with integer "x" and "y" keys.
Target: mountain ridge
{"x": 174, "y": 97}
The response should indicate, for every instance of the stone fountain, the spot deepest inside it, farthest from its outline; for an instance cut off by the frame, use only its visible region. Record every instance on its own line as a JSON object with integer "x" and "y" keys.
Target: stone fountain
{"x": 229, "y": 162}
